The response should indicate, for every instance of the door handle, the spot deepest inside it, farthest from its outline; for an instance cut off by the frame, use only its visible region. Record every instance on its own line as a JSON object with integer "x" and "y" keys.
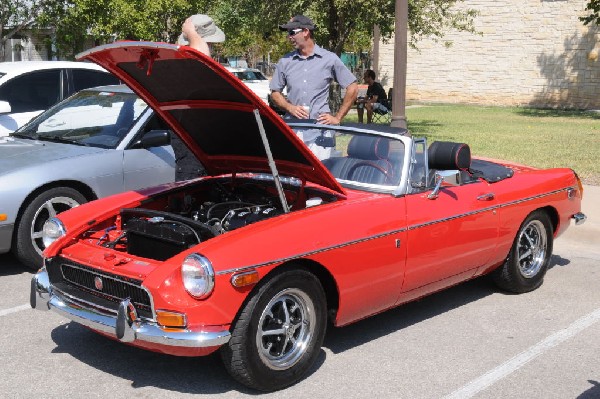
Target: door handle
{"x": 486, "y": 197}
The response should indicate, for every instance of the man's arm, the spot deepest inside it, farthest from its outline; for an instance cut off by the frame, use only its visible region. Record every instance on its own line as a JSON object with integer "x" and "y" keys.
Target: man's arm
{"x": 196, "y": 41}
{"x": 297, "y": 111}
{"x": 349, "y": 99}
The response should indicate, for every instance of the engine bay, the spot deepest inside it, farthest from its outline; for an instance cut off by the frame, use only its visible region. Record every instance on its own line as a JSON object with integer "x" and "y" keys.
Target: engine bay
{"x": 179, "y": 219}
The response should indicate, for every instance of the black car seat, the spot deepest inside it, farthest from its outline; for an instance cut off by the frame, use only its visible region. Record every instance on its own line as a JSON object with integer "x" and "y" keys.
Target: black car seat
{"x": 367, "y": 161}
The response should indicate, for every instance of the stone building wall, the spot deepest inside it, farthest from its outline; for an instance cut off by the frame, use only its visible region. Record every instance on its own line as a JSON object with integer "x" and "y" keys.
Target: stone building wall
{"x": 529, "y": 53}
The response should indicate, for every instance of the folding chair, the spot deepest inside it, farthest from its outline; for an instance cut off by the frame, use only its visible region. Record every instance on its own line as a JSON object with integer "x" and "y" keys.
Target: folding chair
{"x": 384, "y": 116}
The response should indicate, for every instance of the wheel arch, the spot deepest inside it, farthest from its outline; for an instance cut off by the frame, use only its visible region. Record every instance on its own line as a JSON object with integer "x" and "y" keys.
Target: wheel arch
{"x": 318, "y": 270}
{"x": 553, "y": 215}
{"x": 83, "y": 188}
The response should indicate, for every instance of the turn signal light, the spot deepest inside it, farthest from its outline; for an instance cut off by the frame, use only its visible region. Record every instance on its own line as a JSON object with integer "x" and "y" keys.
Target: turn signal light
{"x": 170, "y": 319}
{"x": 244, "y": 279}
{"x": 3, "y": 217}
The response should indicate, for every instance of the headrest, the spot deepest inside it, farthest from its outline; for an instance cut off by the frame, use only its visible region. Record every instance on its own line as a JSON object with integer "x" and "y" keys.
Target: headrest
{"x": 445, "y": 155}
{"x": 368, "y": 147}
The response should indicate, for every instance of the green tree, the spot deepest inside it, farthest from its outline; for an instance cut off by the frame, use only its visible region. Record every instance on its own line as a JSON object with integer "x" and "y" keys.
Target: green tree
{"x": 343, "y": 25}
{"x": 101, "y": 21}
{"x": 17, "y": 15}
{"x": 593, "y": 6}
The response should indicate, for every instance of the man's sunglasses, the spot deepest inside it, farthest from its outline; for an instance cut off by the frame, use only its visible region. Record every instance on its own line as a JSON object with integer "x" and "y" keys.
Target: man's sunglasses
{"x": 294, "y": 32}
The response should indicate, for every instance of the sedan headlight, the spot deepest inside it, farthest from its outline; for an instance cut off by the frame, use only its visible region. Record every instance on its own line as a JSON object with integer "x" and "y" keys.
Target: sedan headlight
{"x": 53, "y": 229}
{"x": 198, "y": 276}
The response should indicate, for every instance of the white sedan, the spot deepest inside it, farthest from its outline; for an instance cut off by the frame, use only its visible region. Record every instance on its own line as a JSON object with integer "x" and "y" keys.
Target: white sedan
{"x": 29, "y": 87}
{"x": 254, "y": 79}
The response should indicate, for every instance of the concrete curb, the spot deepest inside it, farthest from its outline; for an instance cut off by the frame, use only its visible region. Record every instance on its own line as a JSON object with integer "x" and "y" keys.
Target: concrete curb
{"x": 587, "y": 234}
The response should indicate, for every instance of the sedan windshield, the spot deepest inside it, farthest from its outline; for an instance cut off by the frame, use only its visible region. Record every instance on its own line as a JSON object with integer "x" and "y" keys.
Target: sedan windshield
{"x": 90, "y": 118}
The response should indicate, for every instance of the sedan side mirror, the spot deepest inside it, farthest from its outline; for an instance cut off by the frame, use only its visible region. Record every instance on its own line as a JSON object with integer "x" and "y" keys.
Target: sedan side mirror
{"x": 154, "y": 138}
{"x": 5, "y": 107}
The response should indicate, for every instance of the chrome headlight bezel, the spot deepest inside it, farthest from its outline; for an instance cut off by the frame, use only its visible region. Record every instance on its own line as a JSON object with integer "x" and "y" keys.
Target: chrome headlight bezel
{"x": 198, "y": 276}
{"x": 52, "y": 230}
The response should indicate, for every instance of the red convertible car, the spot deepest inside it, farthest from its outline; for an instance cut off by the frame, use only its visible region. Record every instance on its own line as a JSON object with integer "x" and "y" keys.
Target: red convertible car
{"x": 294, "y": 225}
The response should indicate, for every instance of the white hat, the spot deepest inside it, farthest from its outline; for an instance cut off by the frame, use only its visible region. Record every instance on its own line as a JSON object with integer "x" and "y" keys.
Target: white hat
{"x": 206, "y": 28}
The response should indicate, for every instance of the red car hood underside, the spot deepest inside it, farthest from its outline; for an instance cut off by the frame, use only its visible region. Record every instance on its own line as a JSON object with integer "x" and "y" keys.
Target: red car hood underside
{"x": 210, "y": 109}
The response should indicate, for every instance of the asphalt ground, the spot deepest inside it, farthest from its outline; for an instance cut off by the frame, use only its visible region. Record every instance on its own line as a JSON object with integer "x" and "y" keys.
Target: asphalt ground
{"x": 470, "y": 341}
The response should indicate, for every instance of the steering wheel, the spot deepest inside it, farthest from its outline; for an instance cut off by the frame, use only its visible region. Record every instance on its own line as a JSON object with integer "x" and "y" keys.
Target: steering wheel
{"x": 371, "y": 165}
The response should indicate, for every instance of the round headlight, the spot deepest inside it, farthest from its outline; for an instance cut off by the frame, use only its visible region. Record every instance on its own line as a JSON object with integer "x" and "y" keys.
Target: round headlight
{"x": 198, "y": 276}
{"x": 53, "y": 229}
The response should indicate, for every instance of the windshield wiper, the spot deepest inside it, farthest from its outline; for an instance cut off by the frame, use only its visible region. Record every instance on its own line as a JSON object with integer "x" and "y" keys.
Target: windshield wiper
{"x": 58, "y": 139}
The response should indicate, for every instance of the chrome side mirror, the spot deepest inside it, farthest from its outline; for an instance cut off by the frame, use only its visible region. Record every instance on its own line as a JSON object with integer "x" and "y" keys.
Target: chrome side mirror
{"x": 450, "y": 177}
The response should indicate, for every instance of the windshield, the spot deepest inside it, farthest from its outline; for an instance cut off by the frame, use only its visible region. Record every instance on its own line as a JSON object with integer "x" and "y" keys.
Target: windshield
{"x": 90, "y": 118}
{"x": 357, "y": 159}
{"x": 250, "y": 75}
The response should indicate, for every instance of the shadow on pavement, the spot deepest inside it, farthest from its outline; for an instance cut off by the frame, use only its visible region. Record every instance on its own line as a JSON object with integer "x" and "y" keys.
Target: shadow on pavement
{"x": 10, "y": 266}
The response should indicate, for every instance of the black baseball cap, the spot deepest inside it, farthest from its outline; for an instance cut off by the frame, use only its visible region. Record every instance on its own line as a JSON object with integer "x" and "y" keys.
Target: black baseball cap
{"x": 299, "y": 21}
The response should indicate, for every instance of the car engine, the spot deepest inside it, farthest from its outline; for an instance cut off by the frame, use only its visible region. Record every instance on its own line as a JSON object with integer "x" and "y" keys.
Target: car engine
{"x": 175, "y": 221}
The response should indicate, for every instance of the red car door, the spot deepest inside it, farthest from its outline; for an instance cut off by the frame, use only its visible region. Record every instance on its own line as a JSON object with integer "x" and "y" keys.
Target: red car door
{"x": 448, "y": 237}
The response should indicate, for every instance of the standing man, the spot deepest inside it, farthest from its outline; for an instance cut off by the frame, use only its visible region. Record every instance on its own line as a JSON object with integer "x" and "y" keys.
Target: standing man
{"x": 376, "y": 99}
{"x": 307, "y": 73}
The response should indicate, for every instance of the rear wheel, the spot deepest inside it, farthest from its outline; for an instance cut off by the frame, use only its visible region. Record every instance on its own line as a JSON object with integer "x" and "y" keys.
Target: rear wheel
{"x": 28, "y": 246}
{"x": 529, "y": 256}
{"x": 279, "y": 333}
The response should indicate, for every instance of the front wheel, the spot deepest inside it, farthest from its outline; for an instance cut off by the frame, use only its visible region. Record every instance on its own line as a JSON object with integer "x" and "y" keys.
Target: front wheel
{"x": 279, "y": 333}
{"x": 529, "y": 256}
{"x": 28, "y": 245}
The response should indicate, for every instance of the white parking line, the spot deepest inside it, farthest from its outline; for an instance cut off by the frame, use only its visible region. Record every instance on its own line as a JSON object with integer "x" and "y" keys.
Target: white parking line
{"x": 512, "y": 365}
{"x": 14, "y": 310}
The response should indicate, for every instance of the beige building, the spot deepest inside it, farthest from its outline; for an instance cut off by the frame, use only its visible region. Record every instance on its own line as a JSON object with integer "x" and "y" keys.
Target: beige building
{"x": 529, "y": 53}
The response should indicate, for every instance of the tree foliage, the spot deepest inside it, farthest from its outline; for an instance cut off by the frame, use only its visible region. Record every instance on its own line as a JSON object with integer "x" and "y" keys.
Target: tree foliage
{"x": 17, "y": 15}
{"x": 593, "y": 6}
{"x": 251, "y": 26}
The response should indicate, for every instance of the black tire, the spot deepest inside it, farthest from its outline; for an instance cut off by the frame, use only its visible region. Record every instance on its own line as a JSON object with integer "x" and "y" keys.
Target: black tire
{"x": 278, "y": 335}
{"x": 28, "y": 245}
{"x": 529, "y": 256}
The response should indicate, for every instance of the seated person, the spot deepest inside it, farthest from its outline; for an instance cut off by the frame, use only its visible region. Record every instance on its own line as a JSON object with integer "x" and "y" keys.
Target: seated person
{"x": 376, "y": 99}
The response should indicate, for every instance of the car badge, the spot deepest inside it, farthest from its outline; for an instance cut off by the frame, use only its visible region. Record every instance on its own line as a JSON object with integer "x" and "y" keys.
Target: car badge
{"x": 98, "y": 284}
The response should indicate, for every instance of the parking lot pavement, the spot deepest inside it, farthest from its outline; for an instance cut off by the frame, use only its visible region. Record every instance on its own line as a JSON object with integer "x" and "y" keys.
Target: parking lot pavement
{"x": 469, "y": 341}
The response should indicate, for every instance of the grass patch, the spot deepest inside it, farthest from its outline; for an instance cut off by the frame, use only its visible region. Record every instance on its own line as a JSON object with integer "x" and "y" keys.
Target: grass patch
{"x": 539, "y": 138}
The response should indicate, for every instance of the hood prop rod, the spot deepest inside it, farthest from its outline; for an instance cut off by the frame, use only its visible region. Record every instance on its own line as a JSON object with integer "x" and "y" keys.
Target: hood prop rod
{"x": 272, "y": 165}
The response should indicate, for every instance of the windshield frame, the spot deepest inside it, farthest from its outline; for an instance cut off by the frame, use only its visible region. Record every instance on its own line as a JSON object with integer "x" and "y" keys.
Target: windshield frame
{"x": 384, "y": 132}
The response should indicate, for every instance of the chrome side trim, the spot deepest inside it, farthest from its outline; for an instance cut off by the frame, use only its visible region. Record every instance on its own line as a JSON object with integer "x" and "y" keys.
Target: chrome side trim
{"x": 309, "y": 253}
{"x": 409, "y": 228}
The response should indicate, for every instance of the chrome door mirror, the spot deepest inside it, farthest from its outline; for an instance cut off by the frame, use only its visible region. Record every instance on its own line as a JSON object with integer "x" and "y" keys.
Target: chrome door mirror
{"x": 450, "y": 177}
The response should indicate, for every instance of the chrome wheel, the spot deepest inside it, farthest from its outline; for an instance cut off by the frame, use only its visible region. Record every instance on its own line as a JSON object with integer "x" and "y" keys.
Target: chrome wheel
{"x": 285, "y": 328}
{"x": 49, "y": 209}
{"x": 531, "y": 249}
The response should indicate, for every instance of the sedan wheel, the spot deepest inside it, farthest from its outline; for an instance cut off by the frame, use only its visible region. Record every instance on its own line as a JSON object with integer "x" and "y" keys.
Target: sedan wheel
{"x": 29, "y": 245}
{"x": 529, "y": 256}
{"x": 278, "y": 335}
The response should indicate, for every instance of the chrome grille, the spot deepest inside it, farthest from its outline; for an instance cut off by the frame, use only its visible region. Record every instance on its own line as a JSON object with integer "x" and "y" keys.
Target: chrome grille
{"x": 114, "y": 288}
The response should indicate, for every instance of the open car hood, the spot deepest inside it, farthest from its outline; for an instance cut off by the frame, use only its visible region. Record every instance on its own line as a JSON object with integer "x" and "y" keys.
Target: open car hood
{"x": 210, "y": 109}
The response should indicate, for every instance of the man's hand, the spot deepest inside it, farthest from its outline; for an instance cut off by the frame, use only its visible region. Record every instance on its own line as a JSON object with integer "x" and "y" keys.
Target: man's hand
{"x": 328, "y": 119}
{"x": 297, "y": 111}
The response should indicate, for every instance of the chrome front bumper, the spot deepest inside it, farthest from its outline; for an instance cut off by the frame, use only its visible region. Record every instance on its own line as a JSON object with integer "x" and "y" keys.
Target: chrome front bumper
{"x": 125, "y": 327}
